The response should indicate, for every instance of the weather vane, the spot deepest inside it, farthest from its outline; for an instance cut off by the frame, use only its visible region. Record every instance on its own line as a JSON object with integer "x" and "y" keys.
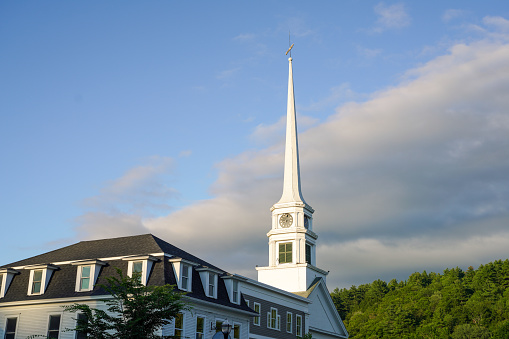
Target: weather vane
{"x": 289, "y": 49}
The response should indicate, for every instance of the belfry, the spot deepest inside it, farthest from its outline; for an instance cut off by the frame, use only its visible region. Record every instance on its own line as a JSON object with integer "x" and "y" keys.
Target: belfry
{"x": 292, "y": 242}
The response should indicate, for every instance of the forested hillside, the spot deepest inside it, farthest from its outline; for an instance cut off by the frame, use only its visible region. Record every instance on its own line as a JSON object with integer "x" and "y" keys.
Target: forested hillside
{"x": 454, "y": 304}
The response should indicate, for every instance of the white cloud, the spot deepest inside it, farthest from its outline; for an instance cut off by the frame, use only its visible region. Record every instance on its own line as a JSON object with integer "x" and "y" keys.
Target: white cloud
{"x": 390, "y": 17}
{"x": 413, "y": 178}
{"x": 452, "y": 14}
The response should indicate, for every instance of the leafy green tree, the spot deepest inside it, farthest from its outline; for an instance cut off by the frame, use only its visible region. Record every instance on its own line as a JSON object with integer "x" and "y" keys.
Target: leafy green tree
{"x": 136, "y": 311}
{"x": 467, "y": 331}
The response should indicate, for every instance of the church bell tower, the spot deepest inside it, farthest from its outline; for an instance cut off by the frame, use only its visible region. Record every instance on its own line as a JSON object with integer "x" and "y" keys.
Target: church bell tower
{"x": 292, "y": 242}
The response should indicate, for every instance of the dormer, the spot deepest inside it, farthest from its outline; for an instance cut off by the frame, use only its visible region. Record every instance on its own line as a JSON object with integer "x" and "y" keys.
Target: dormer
{"x": 40, "y": 276}
{"x": 209, "y": 278}
{"x": 141, "y": 265}
{"x": 233, "y": 286}
{"x": 6, "y": 275}
{"x": 183, "y": 273}
{"x": 86, "y": 274}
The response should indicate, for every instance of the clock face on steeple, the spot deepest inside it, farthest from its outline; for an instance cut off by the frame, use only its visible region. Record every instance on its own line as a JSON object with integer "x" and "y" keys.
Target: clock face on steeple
{"x": 285, "y": 220}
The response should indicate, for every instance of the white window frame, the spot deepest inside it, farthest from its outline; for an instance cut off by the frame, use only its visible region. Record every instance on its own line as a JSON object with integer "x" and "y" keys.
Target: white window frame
{"x": 298, "y": 327}
{"x": 277, "y": 319}
{"x": 204, "y": 327}
{"x": 206, "y": 273}
{"x": 94, "y": 273}
{"x": 177, "y": 264}
{"x": 289, "y": 324}
{"x": 256, "y": 320}
{"x": 59, "y": 323}
{"x": 12, "y": 316}
{"x": 247, "y": 302}
{"x": 47, "y": 272}
{"x": 6, "y": 275}
{"x": 147, "y": 263}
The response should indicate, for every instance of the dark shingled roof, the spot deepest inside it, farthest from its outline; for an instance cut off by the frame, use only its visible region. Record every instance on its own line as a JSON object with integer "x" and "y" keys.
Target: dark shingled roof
{"x": 114, "y": 247}
{"x": 62, "y": 283}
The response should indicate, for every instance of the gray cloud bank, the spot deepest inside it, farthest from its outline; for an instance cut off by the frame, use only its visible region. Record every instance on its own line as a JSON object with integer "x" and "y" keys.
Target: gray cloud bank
{"x": 416, "y": 177}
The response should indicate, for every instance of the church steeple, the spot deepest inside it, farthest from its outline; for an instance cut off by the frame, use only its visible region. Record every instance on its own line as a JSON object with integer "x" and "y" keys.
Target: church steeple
{"x": 291, "y": 185}
{"x": 292, "y": 242}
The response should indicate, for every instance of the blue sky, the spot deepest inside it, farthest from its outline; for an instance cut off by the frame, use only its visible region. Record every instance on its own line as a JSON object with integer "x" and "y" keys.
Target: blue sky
{"x": 128, "y": 117}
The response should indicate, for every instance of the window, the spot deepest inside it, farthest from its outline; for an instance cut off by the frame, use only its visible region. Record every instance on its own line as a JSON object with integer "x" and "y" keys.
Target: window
{"x": 256, "y": 307}
{"x": 1, "y": 282}
{"x": 179, "y": 326}
{"x": 212, "y": 285}
{"x": 85, "y": 278}
{"x": 308, "y": 253}
{"x": 219, "y": 323}
{"x": 200, "y": 326}
{"x": 81, "y": 319}
{"x": 36, "y": 282}
{"x": 10, "y": 328}
{"x": 289, "y": 322}
{"x": 236, "y": 331}
{"x": 138, "y": 270}
{"x": 285, "y": 253}
{"x": 273, "y": 319}
{"x": 247, "y": 302}
{"x": 54, "y": 326}
{"x": 298, "y": 320}
{"x": 140, "y": 266}
{"x": 185, "y": 277}
{"x": 235, "y": 291}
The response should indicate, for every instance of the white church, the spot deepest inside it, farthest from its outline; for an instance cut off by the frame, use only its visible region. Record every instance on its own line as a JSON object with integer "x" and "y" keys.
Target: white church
{"x": 288, "y": 300}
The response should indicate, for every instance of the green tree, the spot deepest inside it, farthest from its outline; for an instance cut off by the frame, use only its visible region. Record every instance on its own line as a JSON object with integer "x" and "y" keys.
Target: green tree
{"x": 134, "y": 312}
{"x": 467, "y": 331}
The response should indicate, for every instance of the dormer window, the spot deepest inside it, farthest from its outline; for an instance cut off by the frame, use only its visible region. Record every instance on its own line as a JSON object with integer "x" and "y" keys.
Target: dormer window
{"x": 140, "y": 266}
{"x": 183, "y": 273}
{"x": 6, "y": 275}
{"x": 209, "y": 280}
{"x": 86, "y": 274}
{"x": 40, "y": 276}
{"x": 232, "y": 284}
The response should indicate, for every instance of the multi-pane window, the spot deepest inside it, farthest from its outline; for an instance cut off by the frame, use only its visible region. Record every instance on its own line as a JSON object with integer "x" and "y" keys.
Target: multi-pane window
{"x": 285, "y": 253}
{"x": 10, "y": 328}
{"x": 54, "y": 326}
{"x": 185, "y": 277}
{"x": 85, "y": 277}
{"x": 289, "y": 322}
{"x": 179, "y": 326}
{"x": 257, "y": 309}
{"x": 235, "y": 291}
{"x": 138, "y": 270}
{"x": 308, "y": 253}
{"x": 200, "y": 327}
{"x": 298, "y": 330}
{"x": 81, "y": 320}
{"x": 236, "y": 331}
{"x": 273, "y": 319}
{"x": 212, "y": 284}
{"x": 37, "y": 282}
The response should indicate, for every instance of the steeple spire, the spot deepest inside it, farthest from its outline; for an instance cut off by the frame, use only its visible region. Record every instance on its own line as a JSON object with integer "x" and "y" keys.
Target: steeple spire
{"x": 291, "y": 186}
